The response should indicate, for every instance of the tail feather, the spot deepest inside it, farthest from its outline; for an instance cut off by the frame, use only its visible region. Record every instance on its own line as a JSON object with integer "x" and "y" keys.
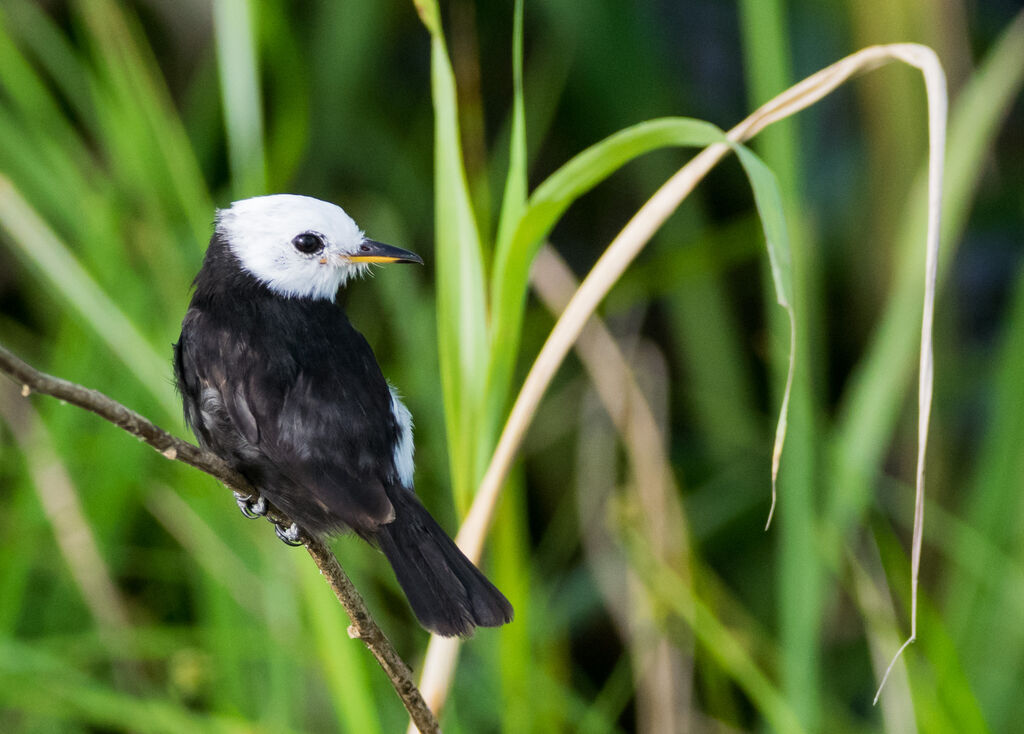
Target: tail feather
{"x": 447, "y": 593}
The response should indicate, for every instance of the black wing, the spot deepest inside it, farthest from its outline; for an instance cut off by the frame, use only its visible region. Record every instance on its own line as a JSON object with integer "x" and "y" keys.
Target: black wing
{"x": 302, "y": 412}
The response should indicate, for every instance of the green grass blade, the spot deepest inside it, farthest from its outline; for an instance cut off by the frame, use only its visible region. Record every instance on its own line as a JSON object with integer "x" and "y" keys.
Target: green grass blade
{"x": 511, "y": 573}
{"x": 24, "y": 85}
{"x": 33, "y": 163}
{"x": 141, "y": 133}
{"x": 801, "y": 663}
{"x": 429, "y": 15}
{"x": 461, "y": 303}
{"x": 767, "y": 68}
{"x": 516, "y": 185}
{"x": 770, "y": 208}
{"x": 514, "y": 201}
{"x": 43, "y": 154}
{"x": 289, "y": 79}
{"x": 768, "y": 200}
{"x": 57, "y": 265}
{"x": 233, "y": 26}
{"x": 545, "y": 206}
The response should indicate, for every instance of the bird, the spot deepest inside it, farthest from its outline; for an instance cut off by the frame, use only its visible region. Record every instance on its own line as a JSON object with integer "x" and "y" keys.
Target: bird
{"x": 276, "y": 381}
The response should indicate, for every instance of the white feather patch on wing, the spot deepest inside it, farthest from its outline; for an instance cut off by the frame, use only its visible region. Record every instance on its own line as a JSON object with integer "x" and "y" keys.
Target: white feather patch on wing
{"x": 404, "y": 448}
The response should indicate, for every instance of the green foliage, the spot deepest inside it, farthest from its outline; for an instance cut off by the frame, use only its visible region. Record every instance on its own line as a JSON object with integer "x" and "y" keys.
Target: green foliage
{"x": 120, "y": 128}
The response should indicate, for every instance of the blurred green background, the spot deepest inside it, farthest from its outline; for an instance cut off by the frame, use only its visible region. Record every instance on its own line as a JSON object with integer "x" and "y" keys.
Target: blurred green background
{"x": 134, "y": 597}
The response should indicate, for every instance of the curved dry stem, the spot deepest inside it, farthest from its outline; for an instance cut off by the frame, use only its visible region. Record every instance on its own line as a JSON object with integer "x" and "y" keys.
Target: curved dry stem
{"x": 632, "y": 239}
{"x": 363, "y": 625}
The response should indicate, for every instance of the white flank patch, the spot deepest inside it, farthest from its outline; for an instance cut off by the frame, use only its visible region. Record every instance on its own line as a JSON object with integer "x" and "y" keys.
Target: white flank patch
{"x": 404, "y": 465}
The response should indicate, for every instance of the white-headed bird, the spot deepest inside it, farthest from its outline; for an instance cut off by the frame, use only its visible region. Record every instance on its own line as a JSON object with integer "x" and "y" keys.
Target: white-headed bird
{"x": 276, "y": 381}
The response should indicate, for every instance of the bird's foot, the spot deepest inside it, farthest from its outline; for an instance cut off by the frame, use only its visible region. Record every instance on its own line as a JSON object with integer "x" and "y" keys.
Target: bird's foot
{"x": 254, "y": 508}
{"x": 291, "y": 535}
{"x": 251, "y": 508}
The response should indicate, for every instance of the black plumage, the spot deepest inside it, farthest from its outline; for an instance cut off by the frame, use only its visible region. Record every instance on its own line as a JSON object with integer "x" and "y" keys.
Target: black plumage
{"x": 290, "y": 394}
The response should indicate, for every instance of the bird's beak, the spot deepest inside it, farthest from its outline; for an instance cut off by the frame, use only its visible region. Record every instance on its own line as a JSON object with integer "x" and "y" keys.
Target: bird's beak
{"x": 377, "y": 252}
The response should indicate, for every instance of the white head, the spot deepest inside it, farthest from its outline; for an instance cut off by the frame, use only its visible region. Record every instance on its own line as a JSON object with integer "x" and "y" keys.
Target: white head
{"x": 299, "y": 246}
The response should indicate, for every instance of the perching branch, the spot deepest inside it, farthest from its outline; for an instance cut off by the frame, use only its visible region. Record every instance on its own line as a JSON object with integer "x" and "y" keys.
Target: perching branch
{"x": 363, "y": 626}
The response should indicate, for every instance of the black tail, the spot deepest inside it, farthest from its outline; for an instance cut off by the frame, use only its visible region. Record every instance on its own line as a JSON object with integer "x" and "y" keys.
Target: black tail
{"x": 448, "y": 594}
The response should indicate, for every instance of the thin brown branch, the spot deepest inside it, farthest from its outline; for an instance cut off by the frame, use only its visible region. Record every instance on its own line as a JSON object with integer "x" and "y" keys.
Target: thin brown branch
{"x": 363, "y": 626}
{"x": 32, "y": 380}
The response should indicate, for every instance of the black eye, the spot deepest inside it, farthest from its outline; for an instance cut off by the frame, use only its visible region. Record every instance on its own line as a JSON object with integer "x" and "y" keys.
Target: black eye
{"x": 308, "y": 243}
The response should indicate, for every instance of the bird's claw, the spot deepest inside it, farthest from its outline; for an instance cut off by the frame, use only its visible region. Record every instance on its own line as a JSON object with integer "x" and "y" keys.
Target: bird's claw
{"x": 254, "y": 508}
{"x": 291, "y": 535}
{"x": 251, "y": 508}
